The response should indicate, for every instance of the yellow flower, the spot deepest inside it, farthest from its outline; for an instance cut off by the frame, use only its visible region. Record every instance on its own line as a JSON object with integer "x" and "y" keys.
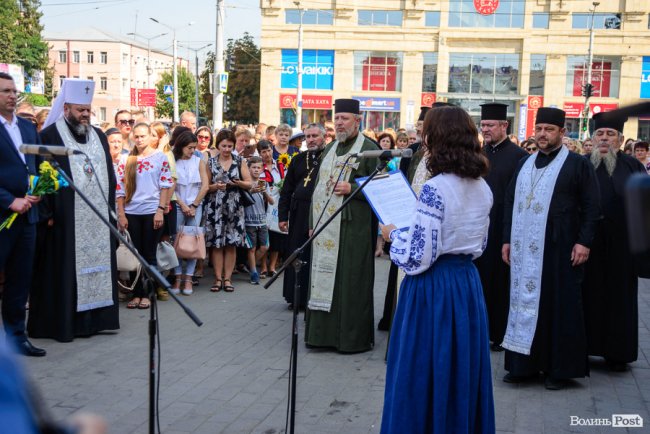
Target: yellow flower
{"x": 284, "y": 159}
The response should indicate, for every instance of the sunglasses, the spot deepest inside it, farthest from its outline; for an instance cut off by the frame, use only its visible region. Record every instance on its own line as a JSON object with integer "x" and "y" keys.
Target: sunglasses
{"x": 531, "y": 149}
{"x": 203, "y": 137}
{"x": 126, "y": 122}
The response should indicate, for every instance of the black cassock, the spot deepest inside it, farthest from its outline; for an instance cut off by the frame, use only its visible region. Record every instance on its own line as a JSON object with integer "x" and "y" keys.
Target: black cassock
{"x": 560, "y": 344}
{"x": 295, "y": 206}
{"x": 495, "y": 274}
{"x": 53, "y": 296}
{"x": 611, "y": 281}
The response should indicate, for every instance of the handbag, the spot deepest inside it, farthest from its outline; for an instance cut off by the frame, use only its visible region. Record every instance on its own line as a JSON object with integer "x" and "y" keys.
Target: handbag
{"x": 245, "y": 195}
{"x": 126, "y": 261}
{"x": 166, "y": 256}
{"x": 190, "y": 243}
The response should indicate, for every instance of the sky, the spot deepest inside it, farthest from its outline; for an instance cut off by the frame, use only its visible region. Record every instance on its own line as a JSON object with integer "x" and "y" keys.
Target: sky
{"x": 126, "y": 16}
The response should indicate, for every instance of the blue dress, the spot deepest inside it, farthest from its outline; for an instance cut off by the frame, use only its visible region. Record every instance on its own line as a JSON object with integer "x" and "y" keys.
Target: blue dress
{"x": 439, "y": 378}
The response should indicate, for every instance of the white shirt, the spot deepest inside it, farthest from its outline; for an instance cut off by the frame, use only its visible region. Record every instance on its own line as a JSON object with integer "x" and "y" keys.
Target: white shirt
{"x": 152, "y": 174}
{"x": 188, "y": 183}
{"x": 14, "y": 133}
{"x": 452, "y": 217}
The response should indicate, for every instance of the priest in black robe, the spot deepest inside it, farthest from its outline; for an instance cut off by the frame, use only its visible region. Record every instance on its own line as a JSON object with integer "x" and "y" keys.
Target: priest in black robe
{"x": 559, "y": 341}
{"x": 495, "y": 274}
{"x": 294, "y": 207}
{"x": 610, "y": 289}
{"x": 58, "y": 310}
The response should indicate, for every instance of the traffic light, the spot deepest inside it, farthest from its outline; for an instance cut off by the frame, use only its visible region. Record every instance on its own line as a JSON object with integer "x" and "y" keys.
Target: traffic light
{"x": 226, "y": 103}
{"x": 587, "y": 90}
{"x": 230, "y": 62}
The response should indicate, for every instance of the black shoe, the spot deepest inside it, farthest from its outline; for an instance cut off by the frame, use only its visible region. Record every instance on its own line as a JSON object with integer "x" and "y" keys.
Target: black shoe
{"x": 27, "y": 349}
{"x": 496, "y": 348}
{"x": 617, "y": 366}
{"x": 515, "y": 379}
{"x": 554, "y": 383}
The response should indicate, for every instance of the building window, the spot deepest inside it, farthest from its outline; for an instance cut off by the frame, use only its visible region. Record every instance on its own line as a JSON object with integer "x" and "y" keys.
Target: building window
{"x": 63, "y": 56}
{"x": 102, "y": 114}
{"x": 125, "y": 85}
{"x": 601, "y": 21}
{"x": 103, "y": 83}
{"x": 61, "y": 78}
{"x": 605, "y": 76}
{"x": 509, "y": 14}
{"x": 378, "y": 71}
{"x": 540, "y": 20}
{"x": 90, "y": 77}
{"x": 310, "y": 17}
{"x": 430, "y": 72}
{"x": 432, "y": 19}
{"x": 643, "y": 131}
{"x": 537, "y": 74}
{"x": 125, "y": 59}
{"x": 103, "y": 57}
{"x": 380, "y": 18}
{"x": 91, "y": 56}
{"x": 483, "y": 73}
{"x": 75, "y": 57}
{"x": 317, "y": 69}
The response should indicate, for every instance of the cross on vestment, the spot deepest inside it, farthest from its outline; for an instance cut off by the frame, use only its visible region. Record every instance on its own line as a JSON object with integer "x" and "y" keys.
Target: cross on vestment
{"x": 529, "y": 199}
{"x": 87, "y": 89}
{"x": 307, "y": 179}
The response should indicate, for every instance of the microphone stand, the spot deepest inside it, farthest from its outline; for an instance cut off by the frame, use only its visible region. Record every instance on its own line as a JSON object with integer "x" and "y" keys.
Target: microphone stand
{"x": 152, "y": 277}
{"x": 295, "y": 261}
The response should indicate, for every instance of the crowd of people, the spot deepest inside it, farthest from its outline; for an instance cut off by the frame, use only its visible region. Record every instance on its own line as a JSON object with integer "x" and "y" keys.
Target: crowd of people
{"x": 513, "y": 246}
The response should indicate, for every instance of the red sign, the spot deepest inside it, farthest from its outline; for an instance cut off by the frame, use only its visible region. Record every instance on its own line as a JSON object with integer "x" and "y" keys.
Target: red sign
{"x": 486, "y": 7}
{"x": 427, "y": 99}
{"x": 534, "y": 103}
{"x": 133, "y": 101}
{"x": 380, "y": 73}
{"x": 601, "y": 75}
{"x": 574, "y": 109}
{"x": 318, "y": 102}
{"x": 147, "y": 97}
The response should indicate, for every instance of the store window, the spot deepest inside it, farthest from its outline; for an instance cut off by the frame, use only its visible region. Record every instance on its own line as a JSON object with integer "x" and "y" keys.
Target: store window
{"x": 317, "y": 69}
{"x": 380, "y": 18}
{"x": 609, "y": 21}
{"x": 605, "y": 75}
{"x": 432, "y": 19}
{"x": 379, "y": 112}
{"x": 430, "y": 72}
{"x": 540, "y": 20}
{"x": 537, "y": 74}
{"x": 378, "y": 71}
{"x": 643, "y": 132}
{"x": 288, "y": 116}
{"x": 310, "y": 17}
{"x": 484, "y": 73}
{"x": 509, "y": 14}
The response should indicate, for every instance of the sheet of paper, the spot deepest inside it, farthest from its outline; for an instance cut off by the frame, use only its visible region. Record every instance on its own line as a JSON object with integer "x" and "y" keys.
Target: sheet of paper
{"x": 391, "y": 198}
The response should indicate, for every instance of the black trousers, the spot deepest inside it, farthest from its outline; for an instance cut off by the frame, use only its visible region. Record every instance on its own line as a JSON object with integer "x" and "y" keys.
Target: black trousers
{"x": 17, "y": 245}
{"x": 145, "y": 239}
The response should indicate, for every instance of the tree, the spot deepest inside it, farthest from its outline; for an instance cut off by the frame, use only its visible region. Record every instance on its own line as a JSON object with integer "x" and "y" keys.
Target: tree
{"x": 186, "y": 93}
{"x": 243, "y": 81}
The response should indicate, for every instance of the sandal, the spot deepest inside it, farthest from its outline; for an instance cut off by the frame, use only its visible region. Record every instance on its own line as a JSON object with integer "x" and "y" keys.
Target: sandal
{"x": 133, "y": 304}
{"x": 144, "y": 304}
{"x": 218, "y": 286}
{"x": 228, "y": 288}
{"x": 187, "y": 287}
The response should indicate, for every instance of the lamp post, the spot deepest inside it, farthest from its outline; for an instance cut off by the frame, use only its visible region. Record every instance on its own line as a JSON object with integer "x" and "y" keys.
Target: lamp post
{"x": 149, "y": 69}
{"x": 299, "y": 90}
{"x": 196, "y": 54}
{"x": 588, "y": 88}
{"x": 175, "y": 67}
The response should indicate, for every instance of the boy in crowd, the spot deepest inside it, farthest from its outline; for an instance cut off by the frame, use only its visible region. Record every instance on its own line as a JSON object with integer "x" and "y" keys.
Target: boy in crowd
{"x": 257, "y": 232}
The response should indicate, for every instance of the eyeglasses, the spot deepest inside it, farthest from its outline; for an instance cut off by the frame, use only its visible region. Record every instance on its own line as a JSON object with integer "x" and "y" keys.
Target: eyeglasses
{"x": 531, "y": 149}
{"x": 126, "y": 122}
{"x": 203, "y": 137}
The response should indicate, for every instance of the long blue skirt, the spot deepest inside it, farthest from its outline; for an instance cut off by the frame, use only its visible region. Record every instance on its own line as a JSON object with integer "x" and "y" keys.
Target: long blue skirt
{"x": 438, "y": 378}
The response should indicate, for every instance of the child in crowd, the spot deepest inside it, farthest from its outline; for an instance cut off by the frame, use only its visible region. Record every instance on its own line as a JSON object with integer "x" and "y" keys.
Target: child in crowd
{"x": 257, "y": 232}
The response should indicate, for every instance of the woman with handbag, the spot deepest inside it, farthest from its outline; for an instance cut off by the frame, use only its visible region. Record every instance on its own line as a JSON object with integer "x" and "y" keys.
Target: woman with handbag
{"x": 191, "y": 187}
{"x": 143, "y": 183}
{"x": 273, "y": 174}
{"x": 225, "y": 227}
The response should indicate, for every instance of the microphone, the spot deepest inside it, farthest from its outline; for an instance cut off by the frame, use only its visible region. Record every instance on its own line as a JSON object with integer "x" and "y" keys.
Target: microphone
{"x": 385, "y": 153}
{"x": 48, "y": 150}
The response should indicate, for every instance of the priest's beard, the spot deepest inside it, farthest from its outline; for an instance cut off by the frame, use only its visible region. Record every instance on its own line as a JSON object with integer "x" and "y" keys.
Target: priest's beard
{"x": 77, "y": 127}
{"x": 609, "y": 159}
{"x": 342, "y": 136}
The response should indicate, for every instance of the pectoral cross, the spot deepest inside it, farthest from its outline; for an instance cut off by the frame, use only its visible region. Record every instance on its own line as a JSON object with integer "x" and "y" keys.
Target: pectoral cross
{"x": 307, "y": 179}
{"x": 529, "y": 199}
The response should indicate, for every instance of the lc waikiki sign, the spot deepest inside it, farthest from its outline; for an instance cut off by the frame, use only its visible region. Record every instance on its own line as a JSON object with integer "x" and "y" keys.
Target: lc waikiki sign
{"x": 317, "y": 69}
{"x": 645, "y": 77}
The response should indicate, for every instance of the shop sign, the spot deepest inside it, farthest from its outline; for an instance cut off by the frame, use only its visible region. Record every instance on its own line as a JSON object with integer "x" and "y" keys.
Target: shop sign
{"x": 317, "y": 102}
{"x": 486, "y": 7}
{"x": 317, "y": 69}
{"x": 601, "y": 75}
{"x": 380, "y": 74}
{"x": 523, "y": 118}
{"x": 371, "y": 103}
{"x": 427, "y": 99}
{"x": 645, "y": 77}
{"x": 534, "y": 103}
{"x": 574, "y": 109}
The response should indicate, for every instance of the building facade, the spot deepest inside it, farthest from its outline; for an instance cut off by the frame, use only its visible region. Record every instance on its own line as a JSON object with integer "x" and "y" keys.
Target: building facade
{"x": 121, "y": 68}
{"x": 397, "y": 55}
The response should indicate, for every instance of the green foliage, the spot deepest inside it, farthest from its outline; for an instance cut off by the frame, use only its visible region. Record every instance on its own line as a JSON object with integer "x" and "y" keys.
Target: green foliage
{"x": 186, "y": 93}
{"x": 37, "y": 100}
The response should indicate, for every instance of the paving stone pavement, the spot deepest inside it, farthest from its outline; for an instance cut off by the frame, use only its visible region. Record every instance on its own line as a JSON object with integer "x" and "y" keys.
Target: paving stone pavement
{"x": 230, "y": 376}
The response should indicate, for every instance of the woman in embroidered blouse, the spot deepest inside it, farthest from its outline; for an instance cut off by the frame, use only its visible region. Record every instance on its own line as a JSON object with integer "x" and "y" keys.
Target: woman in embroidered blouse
{"x": 273, "y": 175}
{"x": 225, "y": 227}
{"x": 142, "y": 184}
{"x": 438, "y": 375}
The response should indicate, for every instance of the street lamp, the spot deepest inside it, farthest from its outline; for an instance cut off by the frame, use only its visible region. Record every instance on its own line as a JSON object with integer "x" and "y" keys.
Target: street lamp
{"x": 196, "y": 54}
{"x": 175, "y": 67}
{"x": 588, "y": 86}
{"x": 149, "y": 69}
{"x": 299, "y": 91}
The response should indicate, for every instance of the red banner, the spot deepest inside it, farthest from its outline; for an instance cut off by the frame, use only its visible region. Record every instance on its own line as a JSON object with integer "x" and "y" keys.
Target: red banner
{"x": 317, "y": 102}
{"x": 380, "y": 74}
{"x": 486, "y": 7}
{"x": 534, "y": 103}
{"x": 427, "y": 99}
{"x": 133, "y": 101}
{"x": 147, "y": 97}
{"x": 601, "y": 76}
{"x": 574, "y": 109}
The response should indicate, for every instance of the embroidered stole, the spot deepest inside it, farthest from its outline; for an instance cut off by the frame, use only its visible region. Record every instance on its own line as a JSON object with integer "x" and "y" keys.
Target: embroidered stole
{"x": 533, "y": 195}
{"x": 325, "y": 249}
{"x": 92, "y": 237}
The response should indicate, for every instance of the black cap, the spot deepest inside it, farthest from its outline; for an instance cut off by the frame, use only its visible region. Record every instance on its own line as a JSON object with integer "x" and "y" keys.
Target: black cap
{"x": 494, "y": 111}
{"x": 344, "y": 105}
{"x": 111, "y": 131}
{"x": 608, "y": 120}
{"x": 423, "y": 112}
{"x": 550, "y": 115}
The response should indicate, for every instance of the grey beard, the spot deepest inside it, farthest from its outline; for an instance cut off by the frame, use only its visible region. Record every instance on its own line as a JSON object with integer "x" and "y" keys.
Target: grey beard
{"x": 342, "y": 136}
{"x": 77, "y": 128}
{"x": 609, "y": 159}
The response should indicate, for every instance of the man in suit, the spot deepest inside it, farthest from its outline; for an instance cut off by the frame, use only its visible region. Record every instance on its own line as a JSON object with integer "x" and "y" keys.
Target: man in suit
{"x": 16, "y": 242}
